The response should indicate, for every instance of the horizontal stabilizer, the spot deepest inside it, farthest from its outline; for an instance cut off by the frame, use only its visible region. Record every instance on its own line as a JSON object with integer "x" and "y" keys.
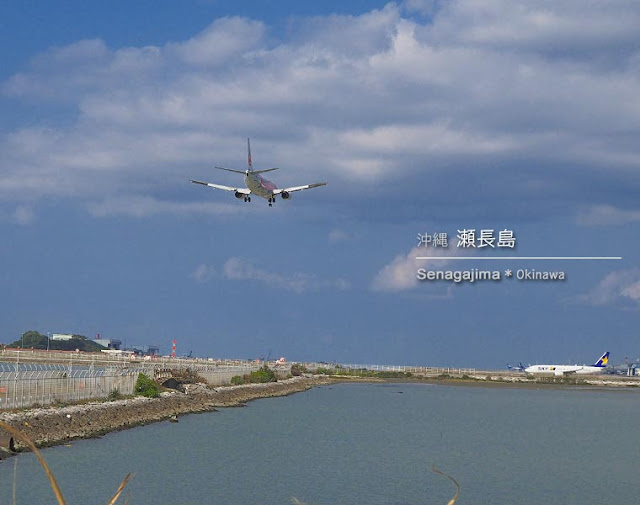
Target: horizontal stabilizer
{"x": 264, "y": 170}
{"x": 232, "y": 170}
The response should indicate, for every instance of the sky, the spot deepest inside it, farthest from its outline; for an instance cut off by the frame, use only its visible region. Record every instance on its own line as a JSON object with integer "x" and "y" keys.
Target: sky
{"x": 424, "y": 118}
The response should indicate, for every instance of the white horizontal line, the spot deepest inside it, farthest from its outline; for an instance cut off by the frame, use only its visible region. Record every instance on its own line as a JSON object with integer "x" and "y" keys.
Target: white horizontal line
{"x": 518, "y": 257}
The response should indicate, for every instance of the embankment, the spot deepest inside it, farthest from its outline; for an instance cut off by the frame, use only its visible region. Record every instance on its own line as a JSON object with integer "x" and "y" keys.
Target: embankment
{"x": 58, "y": 425}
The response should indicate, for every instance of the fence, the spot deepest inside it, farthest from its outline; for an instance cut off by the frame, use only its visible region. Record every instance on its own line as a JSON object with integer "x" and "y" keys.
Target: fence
{"x": 420, "y": 370}
{"x": 26, "y": 388}
{"x": 32, "y": 377}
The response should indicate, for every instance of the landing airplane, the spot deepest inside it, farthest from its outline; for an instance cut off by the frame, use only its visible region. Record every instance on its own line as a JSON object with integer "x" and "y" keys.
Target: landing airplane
{"x": 257, "y": 184}
{"x": 560, "y": 370}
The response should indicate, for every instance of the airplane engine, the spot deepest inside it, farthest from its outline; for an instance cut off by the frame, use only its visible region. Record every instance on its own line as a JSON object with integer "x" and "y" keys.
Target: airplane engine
{"x": 239, "y": 195}
{"x": 286, "y": 195}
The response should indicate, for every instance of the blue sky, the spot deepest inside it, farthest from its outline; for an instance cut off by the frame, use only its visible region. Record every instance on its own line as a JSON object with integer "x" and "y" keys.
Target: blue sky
{"x": 423, "y": 116}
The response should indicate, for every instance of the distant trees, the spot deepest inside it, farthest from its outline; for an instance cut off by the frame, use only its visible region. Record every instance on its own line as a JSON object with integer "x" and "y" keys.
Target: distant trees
{"x": 36, "y": 340}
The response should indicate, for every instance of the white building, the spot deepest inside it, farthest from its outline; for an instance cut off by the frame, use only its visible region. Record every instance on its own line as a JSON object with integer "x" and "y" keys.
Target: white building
{"x": 61, "y": 336}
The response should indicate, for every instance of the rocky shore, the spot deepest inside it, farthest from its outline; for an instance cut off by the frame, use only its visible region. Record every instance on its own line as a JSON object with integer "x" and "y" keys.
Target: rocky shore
{"x": 58, "y": 425}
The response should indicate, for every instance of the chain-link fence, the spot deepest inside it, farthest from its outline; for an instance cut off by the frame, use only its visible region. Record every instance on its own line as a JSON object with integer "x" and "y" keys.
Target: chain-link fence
{"x": 27, "y": 388}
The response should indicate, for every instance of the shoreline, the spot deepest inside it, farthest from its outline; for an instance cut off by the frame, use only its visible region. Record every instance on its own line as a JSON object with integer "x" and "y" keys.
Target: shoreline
{"x": 51, "y": 426}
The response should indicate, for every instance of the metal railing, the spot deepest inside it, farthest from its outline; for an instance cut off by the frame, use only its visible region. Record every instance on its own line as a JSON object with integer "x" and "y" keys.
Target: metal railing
{"x": 422, "y": 370}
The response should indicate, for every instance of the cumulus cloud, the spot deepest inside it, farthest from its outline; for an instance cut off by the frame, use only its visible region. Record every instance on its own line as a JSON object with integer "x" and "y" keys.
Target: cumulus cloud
{"x": 603, "y": 215}
{"x": 543, "y": 89}
{"x": 143, "y": 206}
{"x": 240, "y": 269}
{"x": 203, "y": 273}
{"x": 22, "y": 215}
{"x": 400, "y": 274}
{"x": 622, "y": 287}
{"x": 337, "y": 236}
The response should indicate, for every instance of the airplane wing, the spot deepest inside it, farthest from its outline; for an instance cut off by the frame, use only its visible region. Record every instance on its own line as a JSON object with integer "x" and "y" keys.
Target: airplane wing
{"x": 298, "y": 188}
{"x": 243, "y": 191}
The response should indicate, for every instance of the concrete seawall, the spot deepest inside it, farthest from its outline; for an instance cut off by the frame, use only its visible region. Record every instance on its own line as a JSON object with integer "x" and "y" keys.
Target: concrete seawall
{"x": 54, "y": 426}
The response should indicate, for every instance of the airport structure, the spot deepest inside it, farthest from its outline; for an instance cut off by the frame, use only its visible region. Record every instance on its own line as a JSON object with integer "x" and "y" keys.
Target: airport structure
{"x": 38, "y": 377}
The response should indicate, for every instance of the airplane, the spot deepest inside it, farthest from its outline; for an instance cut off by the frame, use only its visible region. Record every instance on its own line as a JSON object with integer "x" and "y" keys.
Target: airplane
{"x": 258, "y": 185}
{"x": 561, "y": 370}
{"x": 519, "y": 368}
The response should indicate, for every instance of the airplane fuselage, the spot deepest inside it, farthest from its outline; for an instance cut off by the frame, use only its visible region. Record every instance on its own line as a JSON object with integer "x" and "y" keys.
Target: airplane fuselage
{"x": 564, "y": 369}
{"x": 259, "y": 185}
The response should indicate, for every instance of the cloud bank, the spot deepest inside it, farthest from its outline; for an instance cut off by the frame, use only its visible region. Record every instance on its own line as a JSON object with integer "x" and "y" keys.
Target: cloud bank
{"x": 242, "y": 270}
{"x": 537, "y": 100}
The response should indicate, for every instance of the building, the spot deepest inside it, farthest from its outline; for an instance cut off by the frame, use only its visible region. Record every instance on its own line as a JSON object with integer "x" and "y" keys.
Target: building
{"x": 61, "y": 336}
{"x": 109, "y": 343}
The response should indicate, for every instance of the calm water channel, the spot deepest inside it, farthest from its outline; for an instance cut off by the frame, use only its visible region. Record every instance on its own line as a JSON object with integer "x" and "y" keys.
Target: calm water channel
{"x": 370, "y": 444}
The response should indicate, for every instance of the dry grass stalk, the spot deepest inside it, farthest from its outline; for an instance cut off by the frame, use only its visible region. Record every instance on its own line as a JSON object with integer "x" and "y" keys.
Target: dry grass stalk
{"x": 52, "y": 480}
{"x": 455, "y": 497}
{"x": 433, "y": 469}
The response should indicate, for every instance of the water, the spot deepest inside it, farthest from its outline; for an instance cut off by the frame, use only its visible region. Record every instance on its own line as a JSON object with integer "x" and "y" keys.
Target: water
{"x": 370, "y": 444}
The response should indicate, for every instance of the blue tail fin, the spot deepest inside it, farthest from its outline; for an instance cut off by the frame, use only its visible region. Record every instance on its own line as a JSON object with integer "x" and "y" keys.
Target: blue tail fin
{"x": 603, "y": 361}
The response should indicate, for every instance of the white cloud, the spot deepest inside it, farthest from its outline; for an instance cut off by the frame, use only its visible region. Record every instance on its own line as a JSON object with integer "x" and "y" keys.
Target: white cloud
{"x": 401, "y": 273}
{"x": 141, "y": 206}
{"x": 603, "y": 215}
{"x": 337, "y": 236}
{"x": 224, "y": 39}
{"x": 622, "y": 287}
{"x": 22, "y": 215}
{"x": 203, "y": 273}
{"x": 240, "y": 269}
{"x": 380, "y": 96}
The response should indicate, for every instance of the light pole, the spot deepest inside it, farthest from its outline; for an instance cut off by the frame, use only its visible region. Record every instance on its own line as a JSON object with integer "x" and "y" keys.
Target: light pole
{"x": 48, "y": 339}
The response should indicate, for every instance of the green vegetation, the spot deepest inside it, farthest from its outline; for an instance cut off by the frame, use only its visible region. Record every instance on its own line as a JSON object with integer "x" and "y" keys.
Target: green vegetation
{"x": 114, "y": 395}
{"x": 264, "y": 374}
{"x": 36, "y": 340}
{"x": 237, "y": 380}
{"x": 261, "y": 376}
{"x": 343, "y": 372}
{"x": 145, "y": 386}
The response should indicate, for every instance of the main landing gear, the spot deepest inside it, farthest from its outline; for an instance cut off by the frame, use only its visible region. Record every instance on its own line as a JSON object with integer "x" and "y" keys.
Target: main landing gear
{"x": 247, "y": 198}
{"x": 271, "y": 201}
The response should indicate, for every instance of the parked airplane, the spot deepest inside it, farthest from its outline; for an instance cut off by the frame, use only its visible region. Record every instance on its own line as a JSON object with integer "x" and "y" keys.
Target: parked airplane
{"x": 257, "y": 184}
{"x": 596, "y": 368}
{"x": 519, "y": 368}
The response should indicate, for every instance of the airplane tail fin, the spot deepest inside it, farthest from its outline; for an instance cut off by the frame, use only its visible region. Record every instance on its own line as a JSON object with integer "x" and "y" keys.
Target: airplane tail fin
{"x": 603, "y": 361}
{"x": 249, "y": 155}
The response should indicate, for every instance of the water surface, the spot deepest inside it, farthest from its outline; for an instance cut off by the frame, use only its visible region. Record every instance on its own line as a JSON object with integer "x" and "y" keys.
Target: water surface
{"x": 370, "y": 444}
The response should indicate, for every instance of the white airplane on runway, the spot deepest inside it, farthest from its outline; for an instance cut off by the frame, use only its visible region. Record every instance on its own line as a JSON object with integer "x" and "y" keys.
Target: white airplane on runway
{"x": 596, "y": 368}
{"x": 257, "y": 184}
